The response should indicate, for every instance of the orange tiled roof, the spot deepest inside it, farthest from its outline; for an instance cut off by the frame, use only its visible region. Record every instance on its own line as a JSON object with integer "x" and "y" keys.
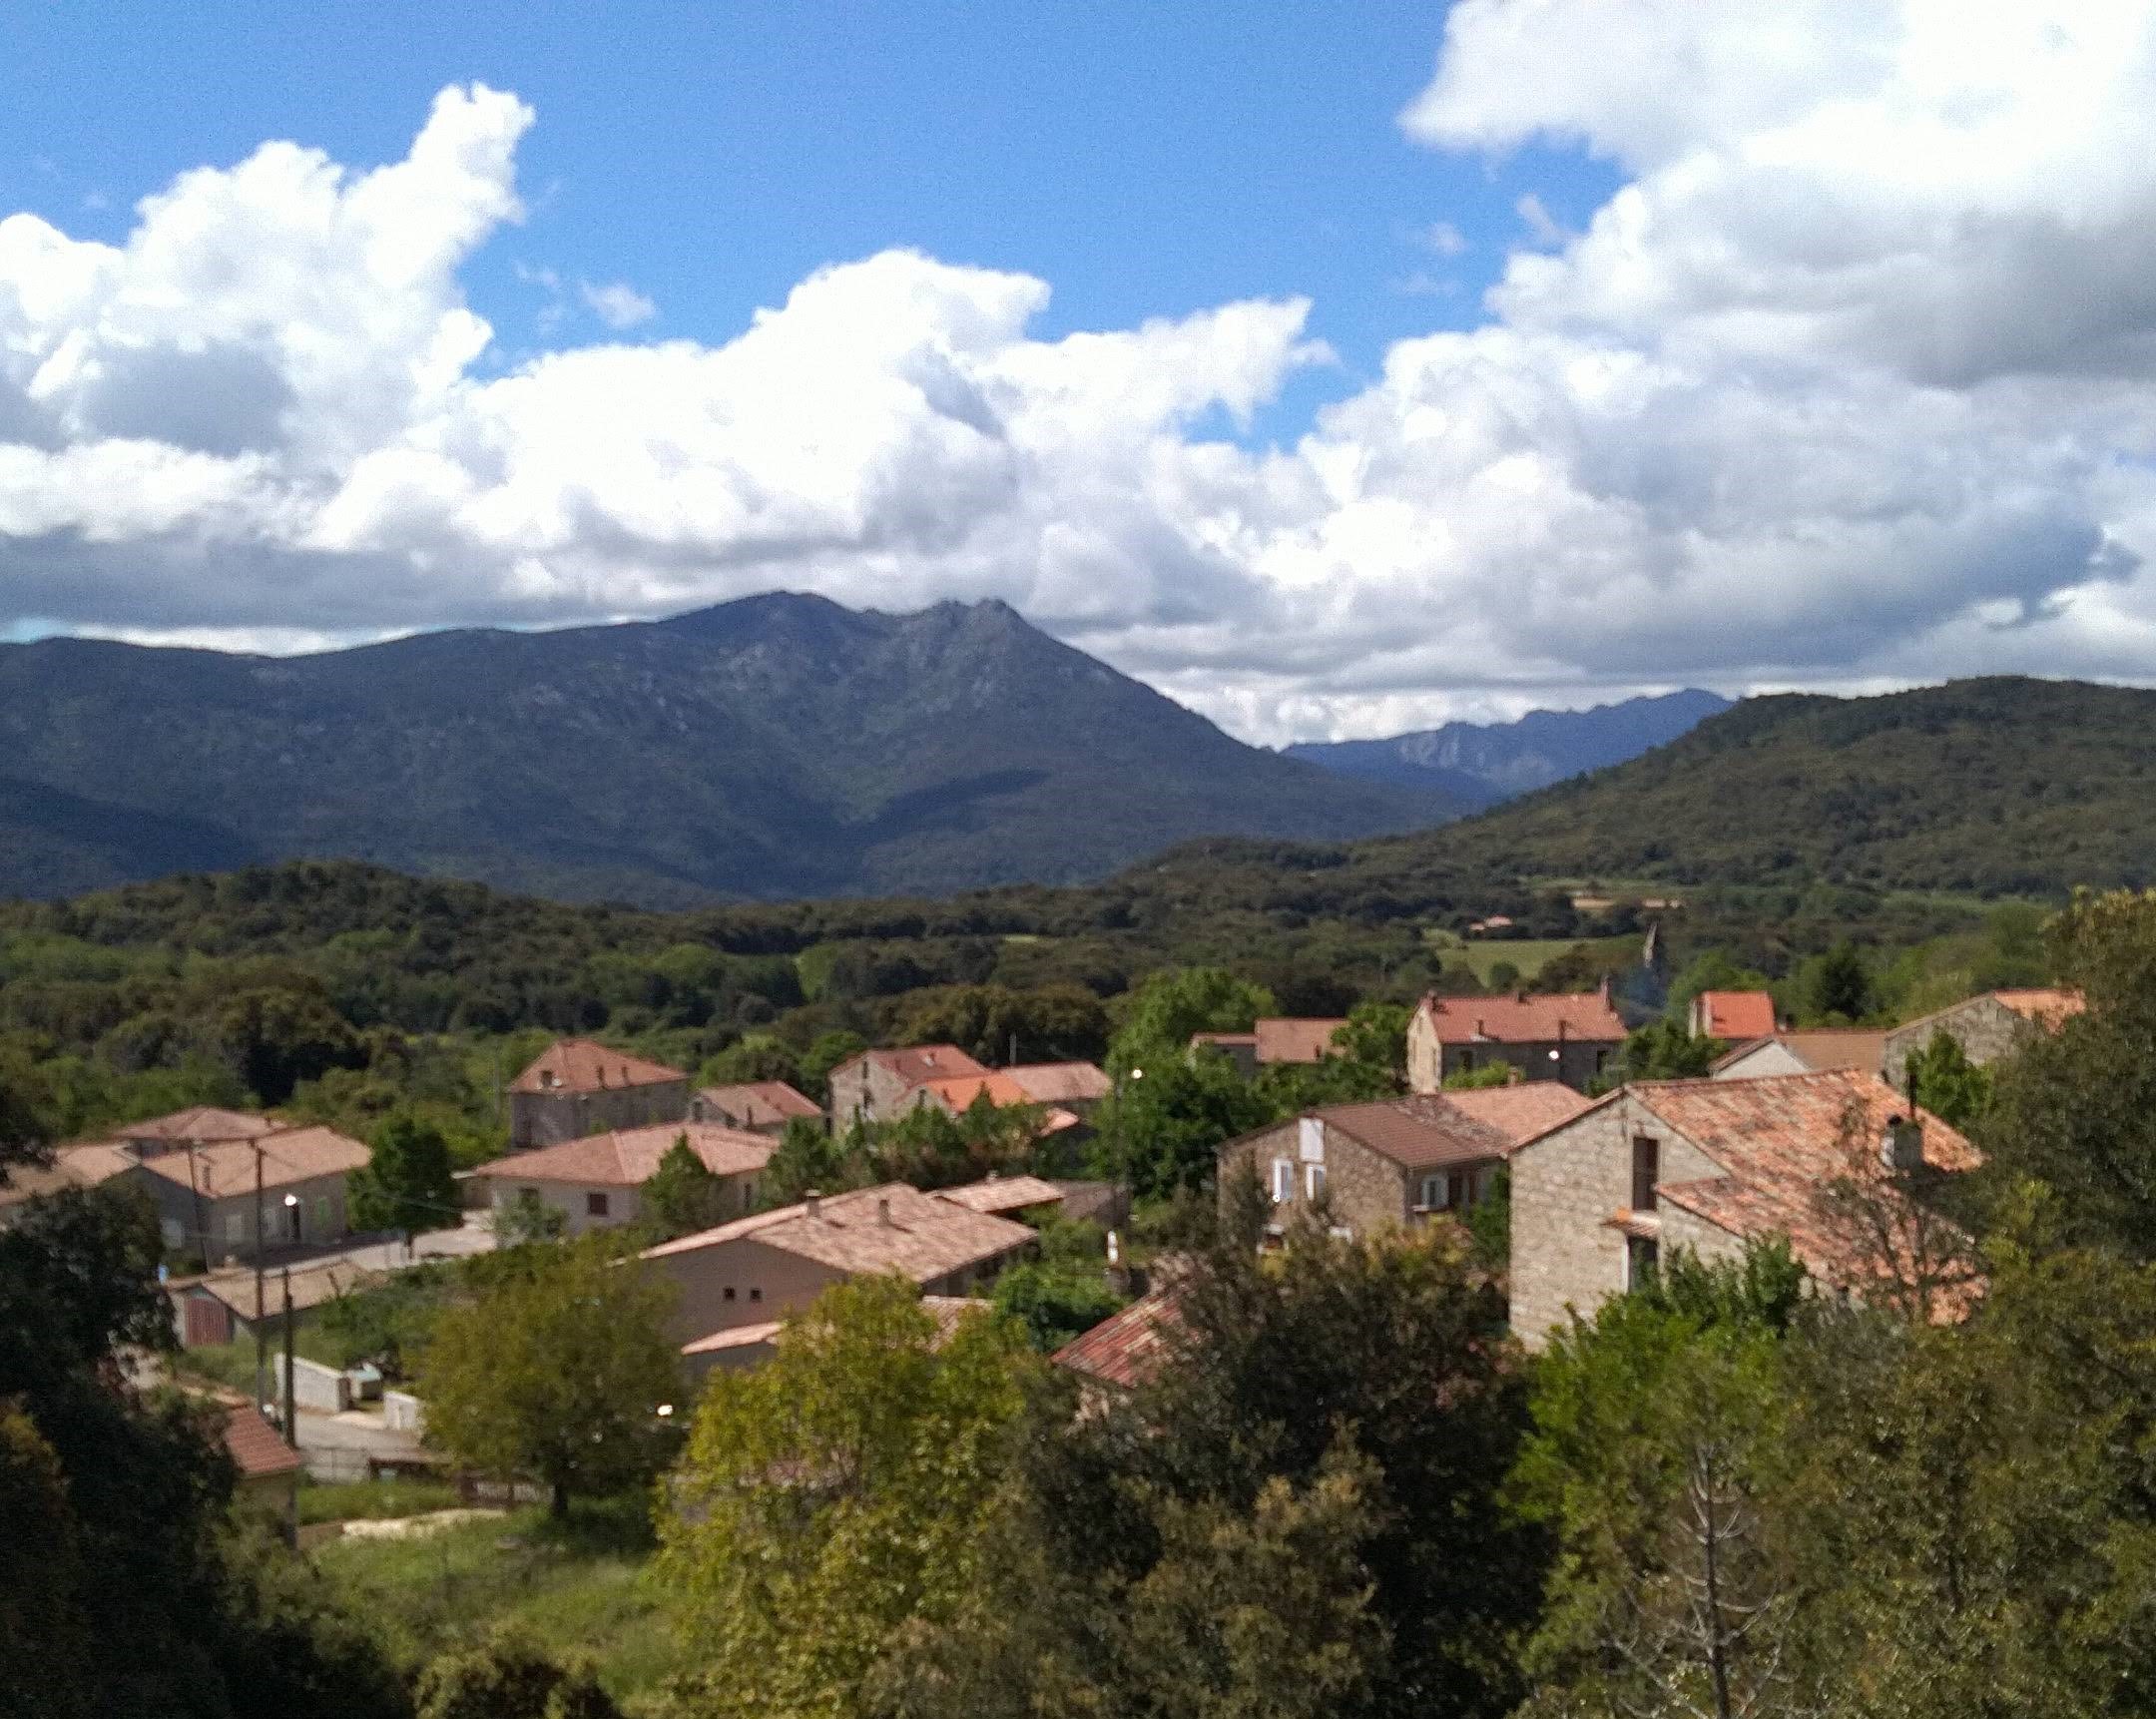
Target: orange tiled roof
{"x": 946, "y": 1310}
{"x": 1820, "y": 1049}
{"x": 959, "y": 1092}
{"x": 227, "y": 1167}
{"x": 581, "y": 1065}
{"x": 1732, "y": 1015}
{"x": 758, "y": 1103}
{"x": 1061, "y": 1082}
{"x": 626, "y": 1157}
{"x": 2046, "y": 1007}
{"x": 1523, "y": 1020}
{"x": 254, "y": 1445}
{"x": 1004, "y": 1194}
{"x": 1522, "y": 1111}
{"x": 71, "y": 1167}
{"x": 915, "y": 1064}
{"x": 924, "y": 1237}
{"x": 1126, "y": 1349}
{"x": 1295, "y": 1039}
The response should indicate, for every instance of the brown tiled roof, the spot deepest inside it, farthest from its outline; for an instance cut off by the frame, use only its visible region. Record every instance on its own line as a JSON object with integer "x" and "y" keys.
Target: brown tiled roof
{"x": 1523, "y": 1020}
{"x": 1061, "y": 1082}
{"x": 580, "y": 1065}
{"x": 71, "y": 1167}
{"x": 1732, "y": 1015}
{"x": 2046, "y": 1007}
{"x": 200, "y": 1123}
{"x": 915, "y": 1063}
{"x": 1295, "y": 1039}
{"x": 1005, "y": 1194}
{"x": 924, "y": 1238}
{"x": 1522, "y": 1111}
{"x": 254, "y": 1445}
{"x": 227, "y": 1167}
{"x": 626, "y": 1157}
{"x": 1126, "y": 1349}
{"x": 1783, "y": 1141}
{"x": 1419, "y": 1132}
{"x": 757, "y": 1104}
{"x": 311, "y": 1285}
{"x": 1820, "y": 1049}
{"x": 946, "y": 1310}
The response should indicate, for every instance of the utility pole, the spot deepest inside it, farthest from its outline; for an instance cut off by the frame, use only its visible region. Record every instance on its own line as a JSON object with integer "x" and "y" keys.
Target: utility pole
{"x": 261, "y": 1336}
{"x": 292, "y": 1425}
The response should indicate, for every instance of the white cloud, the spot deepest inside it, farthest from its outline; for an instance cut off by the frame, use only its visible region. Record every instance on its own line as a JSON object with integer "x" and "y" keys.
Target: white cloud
{"x": 617, "y": 304}
{"x": 1848, "y": 384}
{"x": 1442, "y": 238}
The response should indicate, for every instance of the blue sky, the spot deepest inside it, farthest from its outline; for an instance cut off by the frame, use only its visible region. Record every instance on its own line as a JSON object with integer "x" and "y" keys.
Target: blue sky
{"x": 1338, "y": 370}
{"x": 1140, "y": 158}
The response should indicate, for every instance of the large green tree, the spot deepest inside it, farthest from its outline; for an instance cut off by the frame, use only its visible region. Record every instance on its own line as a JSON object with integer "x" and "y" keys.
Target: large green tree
{"x": 682, "y": 1196}
{"x": 555, "y": 1369}
{"x": 408, "y": 1183}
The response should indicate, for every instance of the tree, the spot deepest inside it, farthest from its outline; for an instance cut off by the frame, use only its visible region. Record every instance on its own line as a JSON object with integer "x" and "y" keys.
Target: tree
{"x": 1055, "y": 1300}
{"x": 279, "y": 1036}
{"x": 1168, "y": 1007}
{"x": 682, "y": 1196}
{"x": 1836, "y": 987}
{"x": 1944, "y": 1081}
{"x": 1474, "y": 1079}
{"x": 507, "y": 1676}
{"x": 834, "y": 1497}
{"x": 1663, "y": 1050}
{"x": 811, "y": 1157}
{"x": 1163, "y": 1131}
{"x": 526, "y": 1218}
{"x": 556, "y": 1370}
{"x": 758, "y": 1056}
{"x": 827, "y": 1051}
{"x": 1046, "y": 1023}
{"x": 26, "y": 1105}
{"x": 408, "y": 1183}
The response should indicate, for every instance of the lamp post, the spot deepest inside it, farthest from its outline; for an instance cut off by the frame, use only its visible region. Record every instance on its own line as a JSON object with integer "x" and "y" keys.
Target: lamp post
{"x": 1123, "y": 1176}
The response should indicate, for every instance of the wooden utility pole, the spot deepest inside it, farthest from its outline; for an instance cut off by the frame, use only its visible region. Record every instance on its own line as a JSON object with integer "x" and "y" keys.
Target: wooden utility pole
{"x": 291, "y": 1425}
{"x": 261, "y": 1336}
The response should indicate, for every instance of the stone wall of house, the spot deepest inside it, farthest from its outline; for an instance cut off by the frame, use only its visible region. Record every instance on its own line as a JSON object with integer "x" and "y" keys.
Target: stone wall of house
{"x": 573, "y": 1200}
{"x": 229, "y": 1223}
{"x": 1363, "y": 1190}
{"x": 1768, "y": 1056}
{"x": 1985, "y": 1029}
{"x": 740, "y": 1282}
{"x": 1566, "y": 1187}
{"x": 1425, "y": 1072}
{"x": 548, "y": 1118}
{"x": 866, "y": 1089}
{"x": 1578, "y": 1060}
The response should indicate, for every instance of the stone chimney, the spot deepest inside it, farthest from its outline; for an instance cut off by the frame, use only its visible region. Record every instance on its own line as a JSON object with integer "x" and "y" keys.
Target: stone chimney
{"x": 1902, "y": 1146}
{"x": 883, "y": 1211}
{"x": 813, "y": 1204}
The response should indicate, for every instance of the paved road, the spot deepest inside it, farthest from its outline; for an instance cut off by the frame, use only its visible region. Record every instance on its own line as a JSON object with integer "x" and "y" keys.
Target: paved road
{"x": 474, "y": 1236}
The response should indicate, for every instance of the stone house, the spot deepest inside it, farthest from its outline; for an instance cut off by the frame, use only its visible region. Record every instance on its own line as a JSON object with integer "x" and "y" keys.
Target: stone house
{"x": 1570, "y": 1038}
{"x": 1709, "y": 1165}
{"x": 1073, "y": 1086}
{"x": 755, "y": 1270}
{"x": 576, "y": 1089}
{"x": 1395, "y": 1162}
{"x": 1735, "y": 1017}
{"x": 1276, "y": 1038}
{"x": 1801, "y": 1051}
{"x": 220, "y": 1305}
{"x": 875, "y": 1085}
{"x": 1987, "y": 1027}
{"x": 760, "y": 1106}
{"x": 594, "y": 1181}
{"x": 206, "y": 1196}
{"x": 267, "y": 1467}
{"x": 741, "y": 1347}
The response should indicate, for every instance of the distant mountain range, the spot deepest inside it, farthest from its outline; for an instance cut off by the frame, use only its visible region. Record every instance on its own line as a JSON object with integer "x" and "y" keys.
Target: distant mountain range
{"x": 1481, "y": 765}
{"x": 776, "y": 747}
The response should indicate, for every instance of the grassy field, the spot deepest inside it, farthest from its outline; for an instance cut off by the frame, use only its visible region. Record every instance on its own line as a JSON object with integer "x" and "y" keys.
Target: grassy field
{"x": 1530, "y": 955}
{"x": 576, "y": 1586}
{"x": 360, "y": 1500}
{"x": 232, "y": 1364}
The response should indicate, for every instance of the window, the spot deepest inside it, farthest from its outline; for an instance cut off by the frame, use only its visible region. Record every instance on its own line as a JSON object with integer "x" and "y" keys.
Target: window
{"x": 235, "y": 1226}
{"x": 595, "y": 1204}
{"x": 1601, "y": 1060}
{"x": 1433, "y": 1193}
{"x": 1643, "y": 1256}
{"x": 1309, "y": 1140}
{"x": 1282, "y": 1181}
{"x": 1466, "y": 1061}
{"x": 756, "y": 1295}
{"x": 728, "y": 1292}
{"x": 1450, "y": 1190}
{"x": 1646, "y": 1171}
{"x": 1313, "y": 1180}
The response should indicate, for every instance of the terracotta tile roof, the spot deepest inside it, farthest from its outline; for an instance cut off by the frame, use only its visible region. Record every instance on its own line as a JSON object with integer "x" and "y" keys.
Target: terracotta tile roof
{"x": 924, "y": 1238}
{"x": 2046, "y": 1007}
{"x": 581, "y": 1065}
{"x": 758, "y": 1104}
{"x": 200, "y": 1123}
{"x": 946, "y": 1310}
{"x": 1732, "y": 1015}
{"x": 311, "y": 1285}
{"x": 959, "y": 1091}
{"x": 1523, "y": 1020}
{"x": 1522, "y": 1111}
{"x": 1287, "y": 1039}
{"x": 626, "y": 1157}
{"x": 1784, "y": 1142}
{"x": 227, "y": 1167}
{"x": 916, "y": 1063}
{"x": 1061, "y": 1082}
{"x": 71, "y": 1167}
{"x": 254, "y": 1447}
{"x": 1419, "y": 1132}
{"x": 1005, "y": 1194}
{"x": 1820, "y": 1049}
{"x": 1126, "y": 1349}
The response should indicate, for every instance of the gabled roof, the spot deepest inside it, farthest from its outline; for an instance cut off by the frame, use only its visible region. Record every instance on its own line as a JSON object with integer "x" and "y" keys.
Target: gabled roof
{"x": 2043, "y": 1007}
{"x": 1522, "y": 1111}
{"x": 254, "y": 1447}
{"x": 1732, "y": 1015}
{"x": 71, "y": 1167}
{"x": 227, "y": 1167}
{"x": 893, "y": 1227}
{"x": 1126, "y": 1349}
{"x": 626, "y": 1157}
{"x": 1283, "y": 1038}
{"x": 311, "y": 1285}
{"x": 1005, "y": 1194}
{"x": 760, "y": 1103}
{"x": 959, "y": 1092}
{"x": 198, "y": 1124}
{"x": 1522, "y": 1018}
{"x": 1421, "y": 1132}
{"x": 914, "y": 1064}
{"x": 583, "y": 1065}
{"x": 1061, "y": 1082}
{"x": 946, "y": 1310}
{"x": 1819, "y": 1048}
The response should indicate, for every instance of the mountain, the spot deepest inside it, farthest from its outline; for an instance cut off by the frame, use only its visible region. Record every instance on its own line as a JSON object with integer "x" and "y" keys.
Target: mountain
{"x": 1483, "y": 763}
{"x": 780, "y": 745}
{"x": 1993, "y": 786}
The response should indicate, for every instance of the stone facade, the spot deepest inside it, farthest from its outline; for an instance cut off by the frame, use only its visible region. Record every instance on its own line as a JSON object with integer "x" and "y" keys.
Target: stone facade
{"x": 226, "y": 1224}
{"x": 1768, "y": 1056}
{"x": 587, "y": 1206}
{"x": 1568, "y": 1187}
{"x": 549, "y": 1118}
{"x": 1985, "y": 1029}
{"x": 873, "y": 1086}
{"x": 1360, "y": 1190}
{"x": 1575, "y": 1061}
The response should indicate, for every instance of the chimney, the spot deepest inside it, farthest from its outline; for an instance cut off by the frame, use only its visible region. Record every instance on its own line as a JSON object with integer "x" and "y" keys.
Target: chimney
{"x": 1602, "y": 990}
{"x": 810, "y": 1201}
{"x": 1901, "y": 1147}
{"x": 883, "y": 1211}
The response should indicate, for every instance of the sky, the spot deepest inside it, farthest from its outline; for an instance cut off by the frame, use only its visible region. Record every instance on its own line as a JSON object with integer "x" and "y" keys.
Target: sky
{"x": 1338, "y": 371}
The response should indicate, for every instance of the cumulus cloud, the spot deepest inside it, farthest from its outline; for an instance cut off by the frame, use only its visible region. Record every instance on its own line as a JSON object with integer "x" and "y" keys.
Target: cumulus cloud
{"x": 1847, "y": 384}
